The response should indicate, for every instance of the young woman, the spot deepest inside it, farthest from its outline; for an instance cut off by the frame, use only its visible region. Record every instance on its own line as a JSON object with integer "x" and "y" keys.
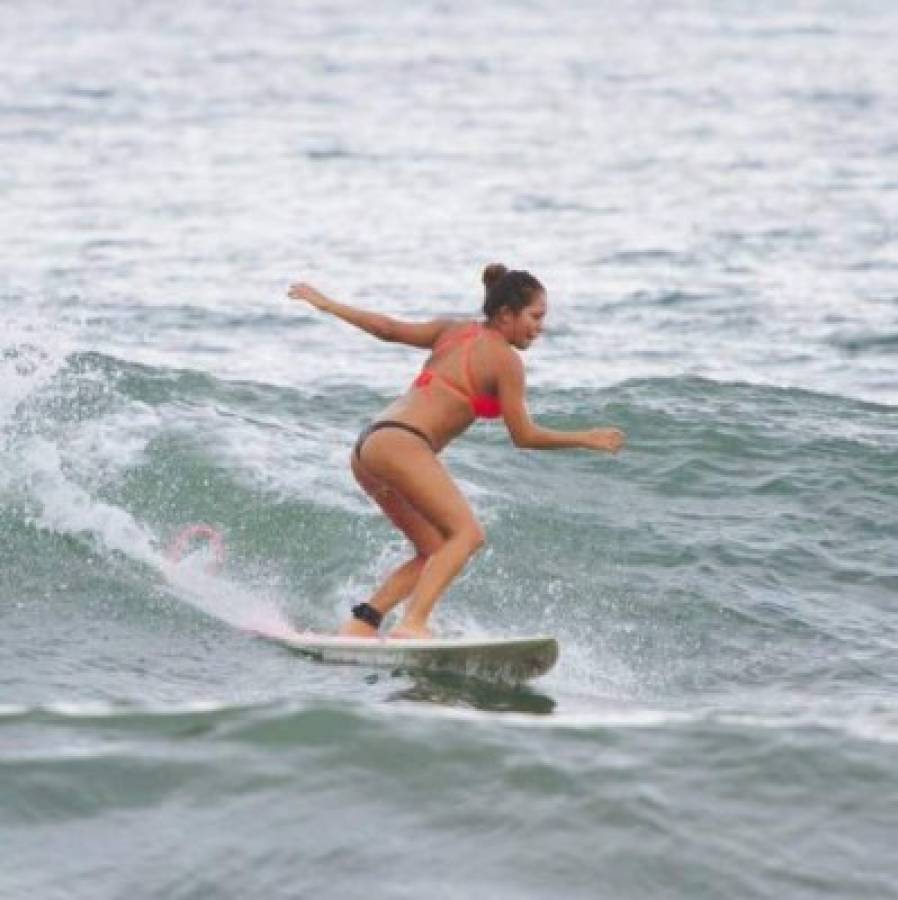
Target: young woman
{"x": 474, "y": 371}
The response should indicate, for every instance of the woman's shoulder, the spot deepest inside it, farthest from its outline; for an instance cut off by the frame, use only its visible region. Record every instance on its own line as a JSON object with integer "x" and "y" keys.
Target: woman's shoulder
{"x": 455, "y": 328}
{"x": 497, "y": 349}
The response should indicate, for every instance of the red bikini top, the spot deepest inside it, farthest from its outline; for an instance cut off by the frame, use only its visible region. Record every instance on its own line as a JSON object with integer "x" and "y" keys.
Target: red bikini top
{"x": 484, "y": 406}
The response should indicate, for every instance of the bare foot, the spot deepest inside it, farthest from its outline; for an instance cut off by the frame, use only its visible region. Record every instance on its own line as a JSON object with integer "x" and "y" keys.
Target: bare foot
{"x": 405, "y": 632}
{"x": 355, "y": 628}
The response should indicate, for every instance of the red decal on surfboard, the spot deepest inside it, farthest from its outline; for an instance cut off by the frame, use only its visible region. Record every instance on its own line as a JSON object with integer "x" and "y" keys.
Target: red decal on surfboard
{"x": 198, "y": 531}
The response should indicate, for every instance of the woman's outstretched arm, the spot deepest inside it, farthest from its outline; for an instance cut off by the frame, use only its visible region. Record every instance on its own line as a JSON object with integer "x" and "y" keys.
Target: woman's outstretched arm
{"x": 415, "y": 334}
{"x": 526, "y": 433}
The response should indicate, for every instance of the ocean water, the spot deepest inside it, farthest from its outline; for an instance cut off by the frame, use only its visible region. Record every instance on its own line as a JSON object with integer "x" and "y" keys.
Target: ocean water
{"x": 709, "y": 192}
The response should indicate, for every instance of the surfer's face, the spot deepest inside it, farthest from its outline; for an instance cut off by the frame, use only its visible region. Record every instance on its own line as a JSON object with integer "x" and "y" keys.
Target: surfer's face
{"x": 527, "y": 325}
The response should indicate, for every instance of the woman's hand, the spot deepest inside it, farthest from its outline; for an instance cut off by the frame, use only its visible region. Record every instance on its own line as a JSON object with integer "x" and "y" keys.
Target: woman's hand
{"x": 303, "y": 291}
{"x": 609, "y": 440}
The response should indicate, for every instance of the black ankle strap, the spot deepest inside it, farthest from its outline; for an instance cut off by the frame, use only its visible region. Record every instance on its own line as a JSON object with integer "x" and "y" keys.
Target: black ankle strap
{"x": 366, "y": 613}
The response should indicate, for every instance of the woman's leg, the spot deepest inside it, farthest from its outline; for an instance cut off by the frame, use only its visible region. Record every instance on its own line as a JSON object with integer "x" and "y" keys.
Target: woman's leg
{"x": 404, "y": 463}
{"x": 394, "y": 590}
{"x": 424, "y": 537}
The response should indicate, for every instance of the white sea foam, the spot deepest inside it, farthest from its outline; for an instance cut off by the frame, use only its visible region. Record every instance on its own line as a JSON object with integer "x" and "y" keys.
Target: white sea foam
{"x": 31, "y": 352}
{"x": 64, "y": 507}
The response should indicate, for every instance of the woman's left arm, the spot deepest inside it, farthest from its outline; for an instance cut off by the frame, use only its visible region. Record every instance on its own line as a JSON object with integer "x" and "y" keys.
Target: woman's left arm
{"x": 526, "y": 433}
{"x": 415, "y": 334}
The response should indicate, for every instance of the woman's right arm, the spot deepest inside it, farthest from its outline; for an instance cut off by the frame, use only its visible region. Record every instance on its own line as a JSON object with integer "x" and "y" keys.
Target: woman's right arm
{"x": 526, "y": 433}
{"x": 415, "y": 334}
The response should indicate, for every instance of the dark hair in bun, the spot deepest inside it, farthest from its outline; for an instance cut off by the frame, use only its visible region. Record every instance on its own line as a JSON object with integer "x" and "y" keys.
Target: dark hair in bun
{"x": 513, "y": 288}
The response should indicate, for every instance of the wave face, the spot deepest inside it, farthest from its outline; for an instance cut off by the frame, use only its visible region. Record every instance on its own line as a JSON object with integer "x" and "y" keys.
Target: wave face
{"x": 722, "y": 721}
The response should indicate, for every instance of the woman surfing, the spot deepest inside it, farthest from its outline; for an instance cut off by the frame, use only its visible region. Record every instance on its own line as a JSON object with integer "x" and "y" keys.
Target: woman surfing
{"x": 474, "y": 371}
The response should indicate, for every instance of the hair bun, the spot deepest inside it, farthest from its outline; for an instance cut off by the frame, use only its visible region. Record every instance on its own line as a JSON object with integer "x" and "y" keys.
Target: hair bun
{"x": 492, "y": 274}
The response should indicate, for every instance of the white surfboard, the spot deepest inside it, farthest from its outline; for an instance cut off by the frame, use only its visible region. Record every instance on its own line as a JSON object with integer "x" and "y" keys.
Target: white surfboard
{"x": 513, "y": 659}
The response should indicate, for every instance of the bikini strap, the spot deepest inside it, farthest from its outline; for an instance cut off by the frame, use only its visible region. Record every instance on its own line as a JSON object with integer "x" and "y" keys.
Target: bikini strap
{"x": 477, "y": 331}
{"x": 450, "y": 340}
{"x": 467, "y": 337}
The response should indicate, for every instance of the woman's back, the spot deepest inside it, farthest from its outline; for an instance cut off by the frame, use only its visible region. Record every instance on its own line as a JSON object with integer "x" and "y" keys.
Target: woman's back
{"x": 456, "y": 385}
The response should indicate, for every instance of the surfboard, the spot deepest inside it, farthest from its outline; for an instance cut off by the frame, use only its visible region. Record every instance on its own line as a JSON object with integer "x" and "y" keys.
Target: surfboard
{"x": 512, "y": 659}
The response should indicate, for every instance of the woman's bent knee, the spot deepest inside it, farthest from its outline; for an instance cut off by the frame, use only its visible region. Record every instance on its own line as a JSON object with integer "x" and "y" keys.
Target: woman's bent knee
{"x": 475, "y": 537}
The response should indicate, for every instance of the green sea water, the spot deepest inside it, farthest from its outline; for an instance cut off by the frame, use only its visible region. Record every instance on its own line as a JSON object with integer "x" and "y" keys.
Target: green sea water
{"x": 708, "y": 193}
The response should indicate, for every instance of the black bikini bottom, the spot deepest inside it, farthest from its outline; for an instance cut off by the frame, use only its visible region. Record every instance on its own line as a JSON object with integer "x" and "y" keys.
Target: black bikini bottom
{"x": 388, "y": 423}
